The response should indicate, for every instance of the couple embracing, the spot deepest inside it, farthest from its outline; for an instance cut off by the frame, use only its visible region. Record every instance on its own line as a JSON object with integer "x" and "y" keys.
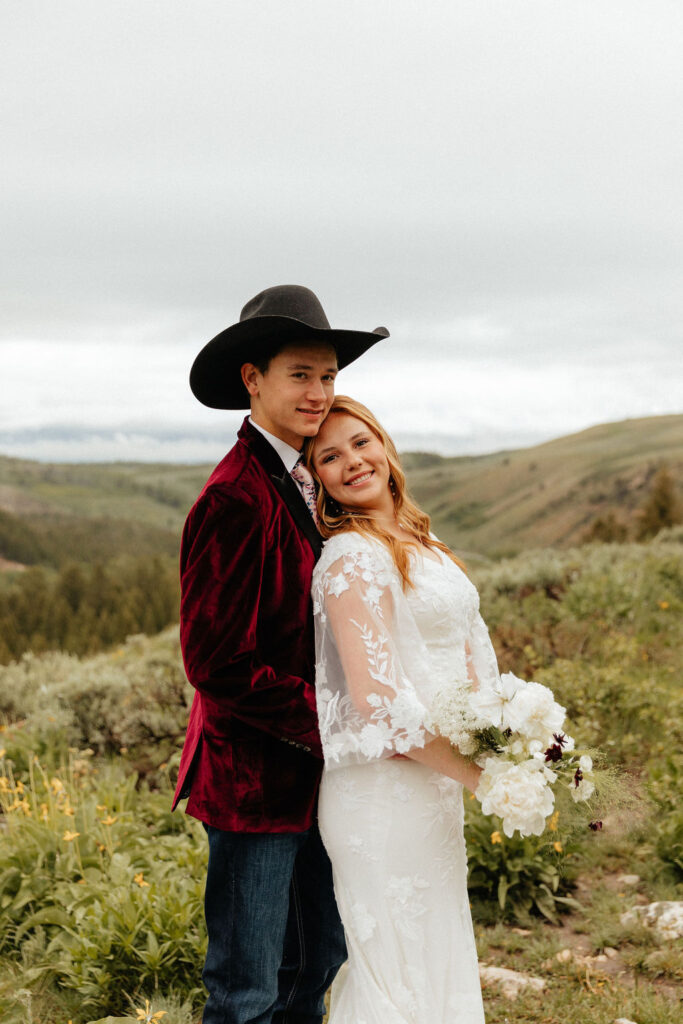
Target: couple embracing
{"x": 319, "y": 616}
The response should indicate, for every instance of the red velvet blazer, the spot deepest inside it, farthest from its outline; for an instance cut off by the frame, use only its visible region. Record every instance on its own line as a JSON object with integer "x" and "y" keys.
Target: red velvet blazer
{"x": 252, "y": 758}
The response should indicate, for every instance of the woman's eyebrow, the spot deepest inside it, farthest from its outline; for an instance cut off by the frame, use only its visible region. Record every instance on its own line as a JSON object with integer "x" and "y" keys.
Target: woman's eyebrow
{"x": 333, "y": 446}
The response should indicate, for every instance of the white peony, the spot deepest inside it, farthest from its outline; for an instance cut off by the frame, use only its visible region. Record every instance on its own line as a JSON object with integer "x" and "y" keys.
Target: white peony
{"x": 517, "y": 793}
{"x": 534, "y": 712}
{"x": 490, "y": 702}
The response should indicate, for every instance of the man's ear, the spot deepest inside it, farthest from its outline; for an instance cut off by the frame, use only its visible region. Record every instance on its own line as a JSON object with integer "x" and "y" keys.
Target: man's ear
{"x": 250, "y": 378}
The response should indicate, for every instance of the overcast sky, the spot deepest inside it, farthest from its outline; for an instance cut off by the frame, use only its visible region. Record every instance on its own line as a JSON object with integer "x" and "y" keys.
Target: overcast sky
{"x": 500, "y": 182}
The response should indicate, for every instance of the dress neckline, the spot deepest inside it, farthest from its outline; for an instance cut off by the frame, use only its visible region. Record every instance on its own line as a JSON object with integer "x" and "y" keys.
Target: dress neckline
{"x": 420, "y": 552}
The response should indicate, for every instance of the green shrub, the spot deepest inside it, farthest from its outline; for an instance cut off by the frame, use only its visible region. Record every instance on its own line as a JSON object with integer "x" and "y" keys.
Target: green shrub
{"x": 101, "y": 888}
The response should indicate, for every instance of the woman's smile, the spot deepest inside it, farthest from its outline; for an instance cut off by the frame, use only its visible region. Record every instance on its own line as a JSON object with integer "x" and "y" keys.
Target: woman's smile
{"x": 356, "y": 481}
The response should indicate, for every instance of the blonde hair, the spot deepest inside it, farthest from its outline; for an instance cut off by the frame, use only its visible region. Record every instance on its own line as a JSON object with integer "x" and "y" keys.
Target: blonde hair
{"x": 335, "y": 518}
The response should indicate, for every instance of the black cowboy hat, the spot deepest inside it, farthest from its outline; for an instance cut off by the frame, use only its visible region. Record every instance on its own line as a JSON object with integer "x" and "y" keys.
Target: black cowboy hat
{"x": 284, "y": 313}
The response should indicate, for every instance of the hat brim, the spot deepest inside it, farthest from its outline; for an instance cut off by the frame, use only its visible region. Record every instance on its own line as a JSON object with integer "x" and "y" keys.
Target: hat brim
{"x": 215, "y": 376}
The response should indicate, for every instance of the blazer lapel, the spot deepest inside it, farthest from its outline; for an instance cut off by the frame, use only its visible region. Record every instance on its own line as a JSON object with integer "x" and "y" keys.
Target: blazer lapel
{"x": 288, "y": 490}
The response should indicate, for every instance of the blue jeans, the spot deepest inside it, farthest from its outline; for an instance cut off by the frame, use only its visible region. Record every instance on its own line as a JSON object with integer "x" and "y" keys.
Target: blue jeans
{"x": 275, "y": 937}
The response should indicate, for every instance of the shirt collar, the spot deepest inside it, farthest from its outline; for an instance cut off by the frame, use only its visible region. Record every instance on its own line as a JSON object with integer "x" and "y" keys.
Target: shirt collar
{"x": 290, "y": 456}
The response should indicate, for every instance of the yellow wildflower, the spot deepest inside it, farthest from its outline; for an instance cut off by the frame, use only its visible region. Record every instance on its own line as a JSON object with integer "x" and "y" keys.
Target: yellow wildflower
{"x": 496, "y": 837}
{"x": 56, "y": 785}
{"x": 4, "y": 784}
{"x": 68, "y": 810}
{"x": 44, "y": 813}
{"x": 101, "y": 807}
{"x": 552, "y": 824}
{"x": 557, "y": 847}
{"x": 109, "y": 820}
{"x": 663, "y": 605}
{"x": 2, "y": 751}
{"x": 139, "y": 879}
{"x": 147, "y": 1016}
{"x": 19, "y": 788}
{"x": 70, "y": 836}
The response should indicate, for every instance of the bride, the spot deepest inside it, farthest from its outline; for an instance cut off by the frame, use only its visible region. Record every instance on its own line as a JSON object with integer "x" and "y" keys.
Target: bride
{"x": 396, "y": 618}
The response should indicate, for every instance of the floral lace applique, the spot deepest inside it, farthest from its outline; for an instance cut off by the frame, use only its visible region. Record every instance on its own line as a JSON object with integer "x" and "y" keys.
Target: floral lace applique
{"x": 358, "y": 846}
{"x": 364, "y": 923}
{"x": 445, "y": 814}
{"x": 407, "y": 904}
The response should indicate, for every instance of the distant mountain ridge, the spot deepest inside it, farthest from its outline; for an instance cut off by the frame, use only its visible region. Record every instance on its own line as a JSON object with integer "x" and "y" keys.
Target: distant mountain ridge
{"x": 545, "y": 495}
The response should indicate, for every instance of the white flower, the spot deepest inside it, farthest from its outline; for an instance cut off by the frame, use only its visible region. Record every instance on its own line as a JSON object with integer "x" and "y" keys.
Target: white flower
{"x": 453, "y": 715}
{"x": 534, "y": 712}
{"x": 337, "y": 585}
{"x": 517, "y": 793}
{"x": 586, "y": 763}
{"x": 584, "y": 790}
{"x": 406, "y": 711}
{"x": 375, "y": 738}
{"x": 372, "y": 597}
{"x": 490, "y": 702}
{"x": 364, "y": 923}
{"x": 336, "y": 746}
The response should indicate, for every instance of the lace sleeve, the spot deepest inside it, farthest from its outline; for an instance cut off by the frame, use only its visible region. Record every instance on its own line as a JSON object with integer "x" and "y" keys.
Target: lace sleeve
{"x": 372, "y": 667}
{"x": 481, "y": 657}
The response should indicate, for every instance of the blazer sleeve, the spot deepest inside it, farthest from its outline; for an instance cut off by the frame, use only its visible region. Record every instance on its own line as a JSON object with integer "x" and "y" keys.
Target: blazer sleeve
{"x": 223, "y": 554}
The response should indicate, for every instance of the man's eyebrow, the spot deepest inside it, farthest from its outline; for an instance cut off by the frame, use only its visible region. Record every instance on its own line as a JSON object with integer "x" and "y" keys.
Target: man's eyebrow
{"x": 307, "y": 366}
{"x": 331, "y": 447}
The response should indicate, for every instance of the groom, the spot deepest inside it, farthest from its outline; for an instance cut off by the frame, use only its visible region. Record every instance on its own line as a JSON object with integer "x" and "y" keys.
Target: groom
{"x": 252, "y": 758}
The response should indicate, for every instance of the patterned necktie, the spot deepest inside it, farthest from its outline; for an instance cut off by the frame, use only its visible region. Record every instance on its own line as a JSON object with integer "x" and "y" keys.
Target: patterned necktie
{"x": 304, "y": 478}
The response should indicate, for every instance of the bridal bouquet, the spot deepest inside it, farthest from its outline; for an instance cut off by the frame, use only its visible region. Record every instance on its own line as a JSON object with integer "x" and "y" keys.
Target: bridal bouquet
{"x": 514, "y": 732}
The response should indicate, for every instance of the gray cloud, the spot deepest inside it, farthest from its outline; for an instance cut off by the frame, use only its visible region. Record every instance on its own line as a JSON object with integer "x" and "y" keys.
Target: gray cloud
{"x": 501, "y": 184}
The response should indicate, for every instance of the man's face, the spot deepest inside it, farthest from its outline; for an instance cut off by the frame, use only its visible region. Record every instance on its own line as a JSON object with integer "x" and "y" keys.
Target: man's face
{"x": 292, "y": 398}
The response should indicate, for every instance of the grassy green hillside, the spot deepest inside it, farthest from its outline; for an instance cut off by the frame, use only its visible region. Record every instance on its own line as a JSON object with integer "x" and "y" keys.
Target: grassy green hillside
{"x": 489, "y": 504}
{"x": 155, "y": 494}
{"x": 547, "y": 495}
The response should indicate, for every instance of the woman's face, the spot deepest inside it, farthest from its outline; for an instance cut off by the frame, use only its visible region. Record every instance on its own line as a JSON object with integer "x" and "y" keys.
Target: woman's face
{"x": 352, "y": 464}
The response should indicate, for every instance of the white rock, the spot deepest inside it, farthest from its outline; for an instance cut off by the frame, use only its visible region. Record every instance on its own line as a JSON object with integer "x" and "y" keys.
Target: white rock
{"x": 624, "y": 1020}
{"x": 628, "y": 879}
{"x": 665, "y": 917}
{"x": 510, "y": 981}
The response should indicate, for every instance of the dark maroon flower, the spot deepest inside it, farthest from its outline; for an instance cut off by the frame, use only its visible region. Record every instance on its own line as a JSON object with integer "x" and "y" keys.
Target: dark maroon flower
{"x": 595, "y": 826}
{"x": 554, "y": 752}
{"x": 560, "y": 738}
{"x": 578, "y": 775}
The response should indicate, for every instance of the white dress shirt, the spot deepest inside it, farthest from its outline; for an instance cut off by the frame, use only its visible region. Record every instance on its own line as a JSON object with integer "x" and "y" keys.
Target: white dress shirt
{"x": 290, "y": 456}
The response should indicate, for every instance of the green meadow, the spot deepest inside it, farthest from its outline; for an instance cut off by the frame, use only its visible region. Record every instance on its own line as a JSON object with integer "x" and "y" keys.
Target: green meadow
{"x": 101, "y": 886}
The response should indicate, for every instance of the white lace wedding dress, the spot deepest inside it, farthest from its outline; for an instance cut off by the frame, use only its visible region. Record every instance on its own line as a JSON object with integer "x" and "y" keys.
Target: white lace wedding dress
{"x": 394, "y": 828}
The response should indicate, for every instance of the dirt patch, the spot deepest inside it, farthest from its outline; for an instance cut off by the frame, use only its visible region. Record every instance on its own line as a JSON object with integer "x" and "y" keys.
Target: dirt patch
{"x": 7, "y": 566}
